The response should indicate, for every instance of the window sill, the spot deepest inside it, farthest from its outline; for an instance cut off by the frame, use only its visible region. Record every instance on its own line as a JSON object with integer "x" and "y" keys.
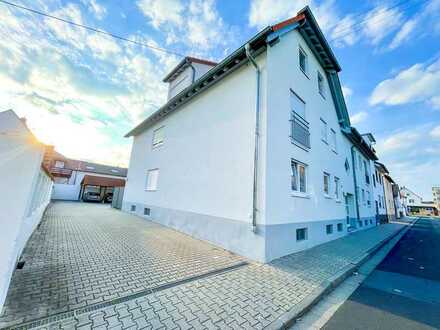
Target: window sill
{"x": 303, "y": 147}
{"x": 323, "y": 96}
{"x": 157, "y": 146}
{"x": 305, "y": 73}
{"x": 152, "y": 190}
{"x": 328, "y": 196}
{"x": 338, "y": 201}
{"x": 324, "y": 141}
{"x": 300, "y": 195}
{"x": 335, "y": 151}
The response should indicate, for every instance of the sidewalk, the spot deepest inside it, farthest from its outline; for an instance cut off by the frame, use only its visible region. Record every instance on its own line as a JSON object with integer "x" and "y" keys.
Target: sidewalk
{"x": 250, "y": 296}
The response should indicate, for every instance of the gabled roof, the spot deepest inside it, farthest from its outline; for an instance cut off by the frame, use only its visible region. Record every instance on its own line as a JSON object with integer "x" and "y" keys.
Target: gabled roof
{"x": 184, "y": 64}
{"x": 381, "y": 167}
{"x": 307, "y": 26}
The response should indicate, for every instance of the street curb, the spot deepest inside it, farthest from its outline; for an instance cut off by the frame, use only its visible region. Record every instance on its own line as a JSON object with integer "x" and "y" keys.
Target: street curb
{"x": 289, "y": 318}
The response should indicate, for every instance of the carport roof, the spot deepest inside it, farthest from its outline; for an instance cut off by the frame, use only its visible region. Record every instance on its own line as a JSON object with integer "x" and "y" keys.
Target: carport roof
{"x": 102, "y": 181}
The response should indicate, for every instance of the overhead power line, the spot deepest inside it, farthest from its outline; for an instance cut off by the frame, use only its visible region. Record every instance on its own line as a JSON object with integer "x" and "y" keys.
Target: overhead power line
{"x": 159, "y": 49}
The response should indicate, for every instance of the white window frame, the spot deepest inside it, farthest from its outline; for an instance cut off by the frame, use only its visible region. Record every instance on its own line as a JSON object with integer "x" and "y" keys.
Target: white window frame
{"x": 334, "y": 140}
{"x": 306, "y": 61}
{"x": 321, "y": 84}
{"x": 295, "y": 175}
{"x": 324, "y": 131}
{"x": 159, "y": 142}
{"x": 337, "y": 188}
{"x": 152, "y": 179}
{"x": 326, "y": 175}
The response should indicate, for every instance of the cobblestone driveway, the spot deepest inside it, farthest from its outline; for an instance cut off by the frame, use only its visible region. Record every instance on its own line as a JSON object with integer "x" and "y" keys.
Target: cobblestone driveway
{"x": 130, "y": 254}
{"x": 85, "y": 254}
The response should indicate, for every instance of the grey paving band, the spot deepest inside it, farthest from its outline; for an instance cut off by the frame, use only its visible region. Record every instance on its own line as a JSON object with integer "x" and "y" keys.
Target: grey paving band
{"x": 91, "y": 308}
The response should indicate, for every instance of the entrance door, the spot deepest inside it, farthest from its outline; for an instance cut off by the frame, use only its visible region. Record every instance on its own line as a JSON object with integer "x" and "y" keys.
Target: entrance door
{"x": 349, "y": 208}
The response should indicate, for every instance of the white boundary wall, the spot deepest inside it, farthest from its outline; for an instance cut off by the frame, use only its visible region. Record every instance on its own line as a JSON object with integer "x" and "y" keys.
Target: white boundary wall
{"x": 26, "y": 190}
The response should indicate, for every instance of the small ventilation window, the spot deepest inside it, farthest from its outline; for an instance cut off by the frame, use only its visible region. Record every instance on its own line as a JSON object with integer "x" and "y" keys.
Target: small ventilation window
{"x": 146, "y": 211}
{"x": 329, "y": 229}
{"x": 133, "y": 208}
{"x": 301, "y": 234}
{"x": 340, "y": 227}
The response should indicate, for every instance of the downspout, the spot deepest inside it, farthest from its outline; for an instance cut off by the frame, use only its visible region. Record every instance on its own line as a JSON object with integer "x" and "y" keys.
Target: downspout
{"x": 257, "y": 136}
{"x": 193, "y": 72}
{"x": 355, "y": 182}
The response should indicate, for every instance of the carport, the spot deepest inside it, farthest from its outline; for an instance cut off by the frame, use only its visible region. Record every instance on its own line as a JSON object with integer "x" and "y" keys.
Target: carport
{"x": 99, "y": 184}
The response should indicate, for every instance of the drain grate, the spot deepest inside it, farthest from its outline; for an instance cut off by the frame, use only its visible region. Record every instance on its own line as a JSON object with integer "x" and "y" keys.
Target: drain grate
{"x": 62, "y": 316}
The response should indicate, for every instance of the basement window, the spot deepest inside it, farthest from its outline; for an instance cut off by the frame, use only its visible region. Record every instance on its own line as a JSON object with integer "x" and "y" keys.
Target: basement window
{"x": 340, "y": 227}
{"x": 329, "y": 229}
{"x": 146, "y": 211}
{"x": 133, "y": 208}
{"x": 301, "y": 234}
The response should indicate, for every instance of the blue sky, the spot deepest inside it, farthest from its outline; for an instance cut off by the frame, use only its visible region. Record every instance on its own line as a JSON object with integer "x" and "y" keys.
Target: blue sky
{"x": 82, "y": 91}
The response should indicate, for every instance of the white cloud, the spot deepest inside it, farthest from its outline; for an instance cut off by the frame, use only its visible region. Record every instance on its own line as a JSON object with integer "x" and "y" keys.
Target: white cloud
{"x": 102, "y": 46}
{"x": 420, "y": 82}
{"x": 435, "y": 132}
{"x": 398, "y": 141}
{"x": 98, "y": 10}
{"x": 347, "y": 91}
{"x": 380, "y": 22}
{"x": 404, "y": 33}
{"x": 196, "y": 24}
{"x": 343, "y": 32}
{"x": 162, "y": 11}
{"x": 358, "y": 117}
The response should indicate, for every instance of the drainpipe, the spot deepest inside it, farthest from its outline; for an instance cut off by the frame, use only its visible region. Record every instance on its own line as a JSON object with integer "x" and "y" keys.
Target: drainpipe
{"x": 193, "y": 72}
{"x": 257, "y": 135}
{"x": 355, "y": 182}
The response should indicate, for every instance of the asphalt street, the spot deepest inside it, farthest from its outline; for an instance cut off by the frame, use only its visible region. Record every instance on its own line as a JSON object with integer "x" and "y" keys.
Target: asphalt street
{"x": 403, "y": 292}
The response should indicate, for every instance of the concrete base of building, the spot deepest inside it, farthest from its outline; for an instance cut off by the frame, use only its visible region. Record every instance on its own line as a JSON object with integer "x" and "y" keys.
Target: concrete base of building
{"x": 267, "y": 243}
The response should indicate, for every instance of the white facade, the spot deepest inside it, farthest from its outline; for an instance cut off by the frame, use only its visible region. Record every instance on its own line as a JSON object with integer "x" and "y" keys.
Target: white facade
{"x": 379, "y": 193}
{"x": 26, "y": 190}
{"x": 203, "y": 170}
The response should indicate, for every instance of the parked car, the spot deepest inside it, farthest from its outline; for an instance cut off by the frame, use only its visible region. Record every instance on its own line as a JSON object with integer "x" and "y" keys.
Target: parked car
{"x": 91, "y": 194}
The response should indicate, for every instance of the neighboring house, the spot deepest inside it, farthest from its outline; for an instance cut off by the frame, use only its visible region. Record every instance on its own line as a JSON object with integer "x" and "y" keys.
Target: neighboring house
{"x": 389, "y": 197}
{"x": 379, "y": 192}
{"x": 436, "y": 196}
{"x": 410, "y": 199}
{"x": 415, "y": 205}
{"x": 26, "y": 189}
{"x": 69, "y": 175}
{"x": 257, "y": 155}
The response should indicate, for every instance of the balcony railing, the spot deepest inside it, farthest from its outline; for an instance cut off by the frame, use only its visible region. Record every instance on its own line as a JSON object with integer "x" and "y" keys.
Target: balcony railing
{"x": 300, "y": 130}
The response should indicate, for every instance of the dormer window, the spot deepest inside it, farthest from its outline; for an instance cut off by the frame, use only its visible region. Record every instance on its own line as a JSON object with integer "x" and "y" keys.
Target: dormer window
{"x": 303, "y": 60}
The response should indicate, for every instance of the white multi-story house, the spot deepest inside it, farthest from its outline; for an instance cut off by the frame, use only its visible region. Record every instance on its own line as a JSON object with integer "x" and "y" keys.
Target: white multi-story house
{"x": 436, "y": 196}
{"x": 257, "y": 154}
{"x": 26, "y": 187}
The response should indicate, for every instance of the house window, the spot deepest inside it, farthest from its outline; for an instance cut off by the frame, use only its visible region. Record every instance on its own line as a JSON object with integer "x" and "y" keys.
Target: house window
{"x": 158, "y": 136}
{"x": 340, "y": 227}
{"x": 329, "y": 229}
{"x": 146, "y": 211}
{"x": 301, "y": 234}
{"x": 152, "y": 178}
{"x": 326, "y": 183}
{"x": 299, "y": 125}
{"x": 360, "y": 162}
{"x": 299, "y": 176}
{"x": 333, "y": 140}
{"x": 336, "y": 188}
{"x": 323, "y": 130}
{"x": 368, "y": 199}
{"x": 366, "y": 222}
{"x": 303, "y": 60}
{"x": 367, "y": 174}
{"x": 321, "y": 84}
{"x": 363, "y": 196}
{"x": 347, "y": 165}
{"x": 133, "y": 208}
{"x": 59, "y": 164}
